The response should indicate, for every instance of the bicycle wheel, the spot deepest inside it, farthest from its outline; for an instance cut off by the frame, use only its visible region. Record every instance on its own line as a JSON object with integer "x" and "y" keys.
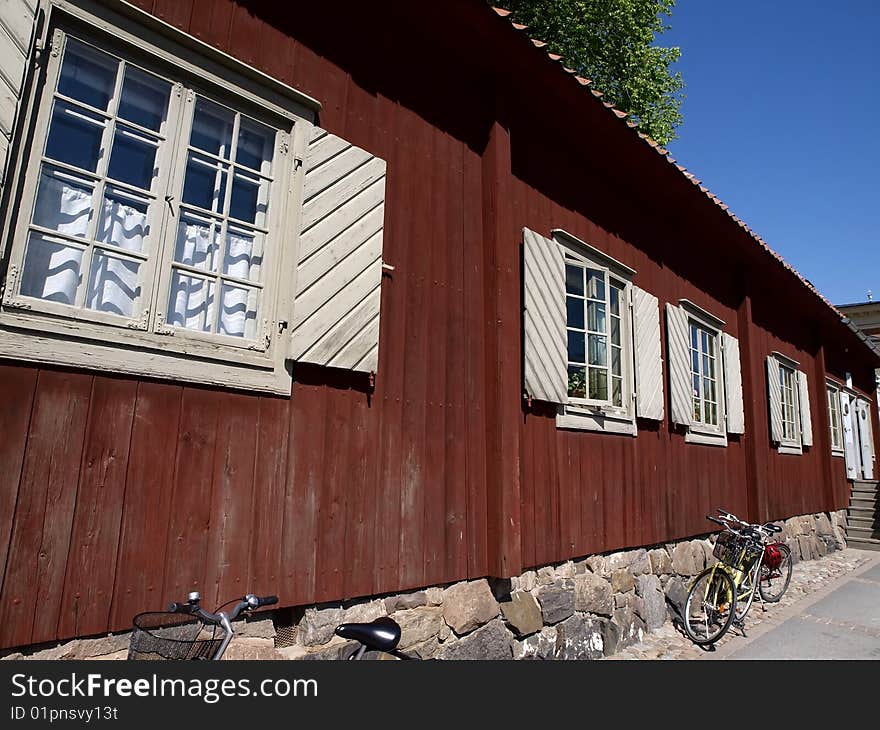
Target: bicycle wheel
{"x": 710, "y": 606}
{"x": 774, "y": 582}
{"x": 745, "y": 595}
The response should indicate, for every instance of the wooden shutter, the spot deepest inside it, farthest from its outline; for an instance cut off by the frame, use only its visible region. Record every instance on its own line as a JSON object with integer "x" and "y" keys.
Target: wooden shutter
{"x": 339, "y": 271}
{"x": 16, "y": 40}
{"x": 736, "y": 419}
{"x": 681, "y": 387}
{"x": 648, "y": 360}
{"x": 804, "y": 402}
{"x": 866, "y": 438}
{"x": 774, "y": 394}
{"x": 849, "y": 437}
{"x": 545, "y": 346}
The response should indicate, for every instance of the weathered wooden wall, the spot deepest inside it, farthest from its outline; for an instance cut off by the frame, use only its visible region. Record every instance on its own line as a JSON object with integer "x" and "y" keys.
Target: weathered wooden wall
{"x": 119, "y": 494}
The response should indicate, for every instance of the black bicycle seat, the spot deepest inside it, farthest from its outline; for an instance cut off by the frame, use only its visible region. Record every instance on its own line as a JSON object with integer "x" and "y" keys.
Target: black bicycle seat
{"x": 772, "y": 528}
{"x": 383, "y": 634}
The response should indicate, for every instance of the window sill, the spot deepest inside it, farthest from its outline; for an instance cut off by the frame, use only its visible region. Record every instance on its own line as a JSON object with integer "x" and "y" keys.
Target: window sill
{"x": 790, "y": 449}
{"x": 706, "y": 438}
{"x": 584, "y": 420}
{"x": 839, "y": 454}
{"x": 273, "y": 377}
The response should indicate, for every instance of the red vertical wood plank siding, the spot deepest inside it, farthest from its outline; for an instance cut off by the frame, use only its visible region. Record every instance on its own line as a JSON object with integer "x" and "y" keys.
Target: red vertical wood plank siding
{"x": 191, "y": 503}
{"x": 174, "y": 12}
{"x": 146, "y": 511}
{"x": 97, "y": 518}
{"x": 231, "y": 508}
{"x": 267, "y": 540}
{"x": 40, "y": 540}
{"x": 17, "y": 386}
{"x": 211, "y": 22}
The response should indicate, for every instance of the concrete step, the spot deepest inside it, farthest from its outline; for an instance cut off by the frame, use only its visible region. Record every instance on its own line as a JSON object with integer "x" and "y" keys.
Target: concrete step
{"x": 863, "y": 544}
{"x": 863, "y": 533}
{"x": 863, "y": 504}
{"x": 860, "y": 520}
{"x": 863, "y": 494}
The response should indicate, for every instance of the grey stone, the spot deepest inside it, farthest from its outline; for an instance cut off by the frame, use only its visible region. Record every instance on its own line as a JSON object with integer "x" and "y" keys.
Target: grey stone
{"x": 683, "y": 559}
{"x": 522, "y": 613}
{"x": 699, "y": 555}
{"x": 566, "y": 570}
{"x": 364, "y": 612}
{"x": 808, "y": 548}
{"x": 318, "y": 624}
{"x": 336, "y": 650}
{"x": 661, "y": 563}
{"x": 840, "y": 538}
{"x": 823, "y": 525}
{"x": 492, "y": 641}
{"x": 708, "y": 547}
{"x": 640, "y": 564}
{"x": 581, "y": 567}
{"x": 84, "y": 648}
{"x": 252, "y": 648}
{"x": 579, "y": 637}
{"x": 407, "y": 600}
{"x": 676, "y": 595}
{"x": 260, "y": 626}
{"x": 537, "y": 646}
{"x": 598, "y": 565}
{"x": 622, "y": 581}
{"x": 625, "y": 599}
{"x": 546, "y": 575}
{"x": 623, "y": 559}
{"x": 629, "y": 628}
{"x": 468, "y": 605}
{"x": 418, "y": 624}
{"x": 557, "y": 601}
{"x": 592, "y": 594}
{"x": 652, "y": 608}
{"x": 426, "y": 649}
{"x": 528, "y": 580}
{"x": 435, "y": 595}
{"x": 795, "y": 547}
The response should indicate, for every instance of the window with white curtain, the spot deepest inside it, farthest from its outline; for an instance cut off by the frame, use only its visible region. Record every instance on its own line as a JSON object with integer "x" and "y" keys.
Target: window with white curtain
{"x": 835, "y": 423}
{"x": 152, "y": 203}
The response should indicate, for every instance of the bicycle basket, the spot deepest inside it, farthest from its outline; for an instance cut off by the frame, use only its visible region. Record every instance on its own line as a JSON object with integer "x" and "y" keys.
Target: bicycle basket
{"x": 727, "y": 548}
{"x": 162, "y": 635}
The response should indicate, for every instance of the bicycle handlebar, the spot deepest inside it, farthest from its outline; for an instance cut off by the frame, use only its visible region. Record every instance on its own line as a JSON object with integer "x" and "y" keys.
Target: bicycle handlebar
{"x": 745, "y": 528}
{"x": 249, "y": 602}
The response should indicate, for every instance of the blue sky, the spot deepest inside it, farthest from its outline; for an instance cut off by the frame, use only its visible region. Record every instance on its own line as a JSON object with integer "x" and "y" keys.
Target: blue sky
{"x": 782, "y": 122}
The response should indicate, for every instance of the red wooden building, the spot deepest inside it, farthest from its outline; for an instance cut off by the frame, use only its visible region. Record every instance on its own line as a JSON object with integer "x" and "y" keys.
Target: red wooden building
{"x": 334, "y": 299}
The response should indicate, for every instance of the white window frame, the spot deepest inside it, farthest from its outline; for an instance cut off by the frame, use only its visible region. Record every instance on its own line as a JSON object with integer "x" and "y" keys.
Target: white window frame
{"x": 32, "y": 332}
{"x": 832, "y": 402}
{"x": 584, "y": 413}
{"x": 700, "y": 432}
{"x": 788, "y": 444}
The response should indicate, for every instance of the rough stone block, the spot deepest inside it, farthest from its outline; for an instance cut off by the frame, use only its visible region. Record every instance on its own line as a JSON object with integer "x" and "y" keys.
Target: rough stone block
{"x": 522, "y": 614}
{"x": 652, "y": 607}
{"x": 622, "y": 581}
{"x": 405, "y": 601}
{"x": 557, "y": 601}
{"x": 593, "y": 594}
{"x": 492, "y": 641}
{"x": 468, "y": 605}
{"x": 418, "y": 624}
{"x": 661, "y": 563}
{"x": 579, "y": 637}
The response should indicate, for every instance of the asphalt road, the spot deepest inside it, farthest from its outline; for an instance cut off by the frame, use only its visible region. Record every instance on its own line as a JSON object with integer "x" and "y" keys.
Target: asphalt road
{"x": 840, "y": 622}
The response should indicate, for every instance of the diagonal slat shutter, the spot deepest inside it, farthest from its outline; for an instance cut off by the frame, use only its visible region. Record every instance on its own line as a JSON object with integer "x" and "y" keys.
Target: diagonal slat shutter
{"x": 866, "y": 437}
{"x": 648, "y": 360}
{"x": 804, "y": 402}
{"x": 736, "y": 421}
{"x": 774, "y": 394}
{"x": 681, "y": 402}
{"x": 339, "y": 271}
{"x": 545, "y": 348}
{"x": 17, "y": 24}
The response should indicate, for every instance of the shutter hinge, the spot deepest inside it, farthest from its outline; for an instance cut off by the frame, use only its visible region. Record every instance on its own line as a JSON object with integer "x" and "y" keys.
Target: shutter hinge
{"x": 297, "y": 163}
{"x": 372, "y": 378}
{"x": 387, "y": 267}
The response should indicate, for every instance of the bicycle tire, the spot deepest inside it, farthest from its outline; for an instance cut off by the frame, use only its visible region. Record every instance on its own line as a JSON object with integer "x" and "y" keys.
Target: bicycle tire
{"x": 715, "y": 611}
{"x": 782, "y": 574}
{"x": 747, "y": 591}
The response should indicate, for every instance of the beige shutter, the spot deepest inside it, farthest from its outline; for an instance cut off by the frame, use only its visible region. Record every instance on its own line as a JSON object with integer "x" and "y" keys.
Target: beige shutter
{"x": 736, "y": 420}
{"x": 545, "y": 348}
{"x": 681, "y": 387}
{"x": 866, "y": 437}
{"x": 339, "y": 271}
{"x": 648, "y": 360}
{"x": 849, "y": 438}
{"x": 774, "y": 393}
{"x": 804, "y": 402}
{"x": 16, "y": 40}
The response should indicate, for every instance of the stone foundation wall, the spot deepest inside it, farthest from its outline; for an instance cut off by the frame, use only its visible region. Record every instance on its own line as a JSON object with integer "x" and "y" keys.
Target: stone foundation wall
{"x": 580, "y": 609}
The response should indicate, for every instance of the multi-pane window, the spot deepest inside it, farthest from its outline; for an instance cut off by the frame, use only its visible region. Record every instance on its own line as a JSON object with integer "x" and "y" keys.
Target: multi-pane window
{"x": 834, "y": 418}
{"x": 596, "y": 307}
{"x": 152, "y": 203}
{"x": 704, "y": 374}
{"x": 788, "y": 395}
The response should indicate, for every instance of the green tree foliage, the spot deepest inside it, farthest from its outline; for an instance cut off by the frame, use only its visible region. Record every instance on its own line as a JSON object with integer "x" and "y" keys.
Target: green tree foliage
{"x": 610, "y": 42}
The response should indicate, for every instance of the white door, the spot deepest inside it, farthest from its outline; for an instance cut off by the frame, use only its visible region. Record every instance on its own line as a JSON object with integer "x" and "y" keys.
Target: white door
{"x": 849, "y": 437}
{"x": 866, "y": 438}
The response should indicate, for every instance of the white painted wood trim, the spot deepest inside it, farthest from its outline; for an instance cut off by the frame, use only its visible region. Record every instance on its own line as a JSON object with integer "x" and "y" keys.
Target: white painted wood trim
{"x": 847, "y": 408}
{"x": 577, "y": 420}
{"x": 774, "y": 395}
{"x": 617, "y": 267}
{"x": 705, "y": 438}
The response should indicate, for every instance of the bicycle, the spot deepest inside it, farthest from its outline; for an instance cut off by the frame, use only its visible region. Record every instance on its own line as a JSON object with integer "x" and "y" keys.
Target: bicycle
{"x": 187, "y": 631}
{"x": 747, "y": 563}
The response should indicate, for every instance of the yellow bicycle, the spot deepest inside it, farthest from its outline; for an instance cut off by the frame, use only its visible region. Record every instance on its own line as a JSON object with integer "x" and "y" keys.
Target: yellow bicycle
{"x": 723, "y": 593}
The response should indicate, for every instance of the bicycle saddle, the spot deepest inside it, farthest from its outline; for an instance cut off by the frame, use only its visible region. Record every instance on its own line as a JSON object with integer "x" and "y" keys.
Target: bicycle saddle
{"x": 383, "y": 634}
{"x": 772, "y": 528}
